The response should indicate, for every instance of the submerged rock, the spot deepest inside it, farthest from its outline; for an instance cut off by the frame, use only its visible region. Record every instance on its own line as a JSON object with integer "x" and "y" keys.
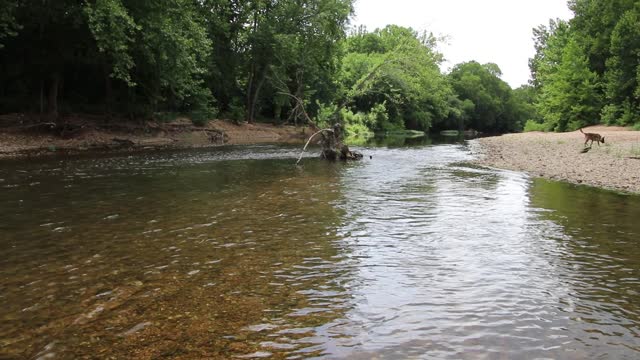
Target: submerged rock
{"x": 136, "y": 328}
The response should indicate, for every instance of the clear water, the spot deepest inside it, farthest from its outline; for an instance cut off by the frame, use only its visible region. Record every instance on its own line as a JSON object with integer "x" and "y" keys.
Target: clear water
{"x": 237, "y": 253}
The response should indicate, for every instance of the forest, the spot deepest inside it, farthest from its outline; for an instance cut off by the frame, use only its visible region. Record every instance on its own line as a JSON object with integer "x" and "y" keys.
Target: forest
{"x": 289, "y": 61}
{"x": 586, "y": 70}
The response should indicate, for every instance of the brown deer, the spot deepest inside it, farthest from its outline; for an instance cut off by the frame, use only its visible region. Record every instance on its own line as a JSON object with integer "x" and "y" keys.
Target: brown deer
{"x": 593, "y": 137}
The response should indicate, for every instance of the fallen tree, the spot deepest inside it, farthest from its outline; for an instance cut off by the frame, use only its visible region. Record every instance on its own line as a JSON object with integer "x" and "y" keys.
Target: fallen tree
{"x": 332, "y": 146}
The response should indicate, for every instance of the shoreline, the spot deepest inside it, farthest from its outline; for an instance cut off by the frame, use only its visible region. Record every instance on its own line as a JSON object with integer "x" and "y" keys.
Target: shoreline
{"x": 614, "y": 165}
{"x": 88, "y": 138}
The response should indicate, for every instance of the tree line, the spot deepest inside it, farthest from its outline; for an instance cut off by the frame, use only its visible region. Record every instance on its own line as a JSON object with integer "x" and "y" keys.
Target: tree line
{"x": 282, "y": 61}
{"x": 587, "y": 70}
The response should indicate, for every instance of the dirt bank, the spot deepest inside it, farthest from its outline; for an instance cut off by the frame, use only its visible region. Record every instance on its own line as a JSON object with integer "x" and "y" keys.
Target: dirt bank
{"x": 613, "y": 165}
{"x": 86, "y": 134}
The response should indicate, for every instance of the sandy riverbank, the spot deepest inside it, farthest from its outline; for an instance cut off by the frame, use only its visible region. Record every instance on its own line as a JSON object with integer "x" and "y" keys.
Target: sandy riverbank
{"x": 99, "y": 136}
{"x": 613, "y": 165}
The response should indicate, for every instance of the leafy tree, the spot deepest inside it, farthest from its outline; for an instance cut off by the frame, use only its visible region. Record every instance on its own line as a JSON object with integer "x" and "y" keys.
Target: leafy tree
{"x": 569, "y": 99}
{"x": 549, "y": 44}
{"x": 593, "y": 25}
{"x": 57, "y": 54}
{"x": 113, "y": 30}
{"x": 172, "y": 49}
{"x": 150, "y": 55}
{"x": 287, "y": 46}
{"x": 307, "y": 54}
{"x": 459, "y": 116}
{"x": 8, "y": 25}
{"x": 622, "y": 74}
{"x": 494, "y": 107}
{"x": 398, "y": 66}
{"x": 225, "y": 23}
{"x": 587, "y": 68}
{"x": 526, "y": 96}
{"x": 288, "y": 60}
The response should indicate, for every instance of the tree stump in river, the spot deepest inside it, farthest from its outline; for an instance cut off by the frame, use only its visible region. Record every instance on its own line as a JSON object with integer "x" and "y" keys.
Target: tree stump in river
{"x": 332, "y": 146}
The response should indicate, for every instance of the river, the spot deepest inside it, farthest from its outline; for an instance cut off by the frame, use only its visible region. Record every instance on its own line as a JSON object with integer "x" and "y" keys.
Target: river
{"x": 235, "y": 252}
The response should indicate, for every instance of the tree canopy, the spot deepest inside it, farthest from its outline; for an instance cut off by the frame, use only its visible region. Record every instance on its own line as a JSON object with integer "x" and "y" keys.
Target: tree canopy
{"x": 283, "y": 61}
{"x": 587, "y": 70}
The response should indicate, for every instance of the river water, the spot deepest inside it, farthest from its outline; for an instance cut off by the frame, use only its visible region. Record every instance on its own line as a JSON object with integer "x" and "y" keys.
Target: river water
{"x": 236, "y": 252}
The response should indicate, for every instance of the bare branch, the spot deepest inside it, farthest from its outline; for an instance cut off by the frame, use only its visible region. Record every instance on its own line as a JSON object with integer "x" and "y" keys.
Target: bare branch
{"x": 308, "y": 141}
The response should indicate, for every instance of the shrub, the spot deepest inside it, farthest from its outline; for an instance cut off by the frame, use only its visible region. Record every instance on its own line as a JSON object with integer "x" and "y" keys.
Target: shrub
{"x": 201, "y": 117}
{"x": 531, "y": 125}
{"x": 326, "y": 115}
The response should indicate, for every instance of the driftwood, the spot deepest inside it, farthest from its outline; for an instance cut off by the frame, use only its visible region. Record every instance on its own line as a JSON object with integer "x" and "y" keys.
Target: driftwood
{"x": 309, "y": 141}
{"x": 63, "y": 130}
{"x": 332, "y": 147}
{"x": 123, "y": 142}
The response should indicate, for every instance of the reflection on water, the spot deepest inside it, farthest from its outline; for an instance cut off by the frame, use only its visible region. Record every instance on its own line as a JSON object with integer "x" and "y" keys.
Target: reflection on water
{"x": 396, "y": 141}
{"x": 236, "y": 252}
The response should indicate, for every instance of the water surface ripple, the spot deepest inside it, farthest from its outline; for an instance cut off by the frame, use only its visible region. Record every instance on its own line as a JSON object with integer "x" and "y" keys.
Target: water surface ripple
{"x": 237, "y": 253}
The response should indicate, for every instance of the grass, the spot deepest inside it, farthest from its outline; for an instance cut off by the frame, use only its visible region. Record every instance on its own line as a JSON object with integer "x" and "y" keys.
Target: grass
{"x": 531, "y": 125}
{"x": 635, "y": 150}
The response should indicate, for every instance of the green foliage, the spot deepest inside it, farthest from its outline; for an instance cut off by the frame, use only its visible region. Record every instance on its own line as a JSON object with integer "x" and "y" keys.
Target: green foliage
{"x": 362, "y": 122}
{"x": 623, "y": 68}
{"x": 487, "y": 103}
{"x": 378, "y": 116}
{"x": 549, "y": 43}
{"x": 201, "y": 117}
{"x": 569, "y": 99}
{"x": 532, "y": 125}
{"x": 327, "y": 115}
{"x": 236, "y": 112}
{"x": 398, "y": 67}
{"x": 289, "y": 59}
{"x": 587, "y": 70}
{"x": 165, "y": 116}
{"x": 358, "y": 130}
{"x": 173, "y": 49}
{"x": 8, "y": 25}
{"x": 609, "y": 114}
{"x": 289, "y": 46}
{"x": 200, "y": 105}
{"x": 113, "y": 30}
{"x": 624, "y": 114}
{"x": 136, "y": 57}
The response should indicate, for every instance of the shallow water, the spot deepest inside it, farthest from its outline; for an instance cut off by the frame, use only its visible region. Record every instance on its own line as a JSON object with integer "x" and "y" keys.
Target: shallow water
{"x": 236, "y": 252}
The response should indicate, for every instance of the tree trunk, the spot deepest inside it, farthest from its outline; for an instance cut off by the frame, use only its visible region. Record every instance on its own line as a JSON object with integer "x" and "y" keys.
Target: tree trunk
{"x": 249, "y": 114}
{"x": 299, "y": 93}
{"x": 252, "y": 71}
{"x": 256, "y": 94}
{"x": 108, "y": 91}
{"x": 52, "y": 100}
{"x": 332, "y": 146}
{"x": 41, "y": 98}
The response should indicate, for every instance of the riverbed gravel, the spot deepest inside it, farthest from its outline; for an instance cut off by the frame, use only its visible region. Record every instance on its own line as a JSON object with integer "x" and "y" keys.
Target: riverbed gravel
{"x": 613, "y": 165}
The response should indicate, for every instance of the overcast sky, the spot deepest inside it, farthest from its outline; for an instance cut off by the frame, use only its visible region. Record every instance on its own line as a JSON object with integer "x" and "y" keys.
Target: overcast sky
{"x": 498, "y": 31}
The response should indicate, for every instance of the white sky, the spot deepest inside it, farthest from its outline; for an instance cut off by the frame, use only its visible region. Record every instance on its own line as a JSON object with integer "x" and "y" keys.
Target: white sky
{"x": 498, "y": 31}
